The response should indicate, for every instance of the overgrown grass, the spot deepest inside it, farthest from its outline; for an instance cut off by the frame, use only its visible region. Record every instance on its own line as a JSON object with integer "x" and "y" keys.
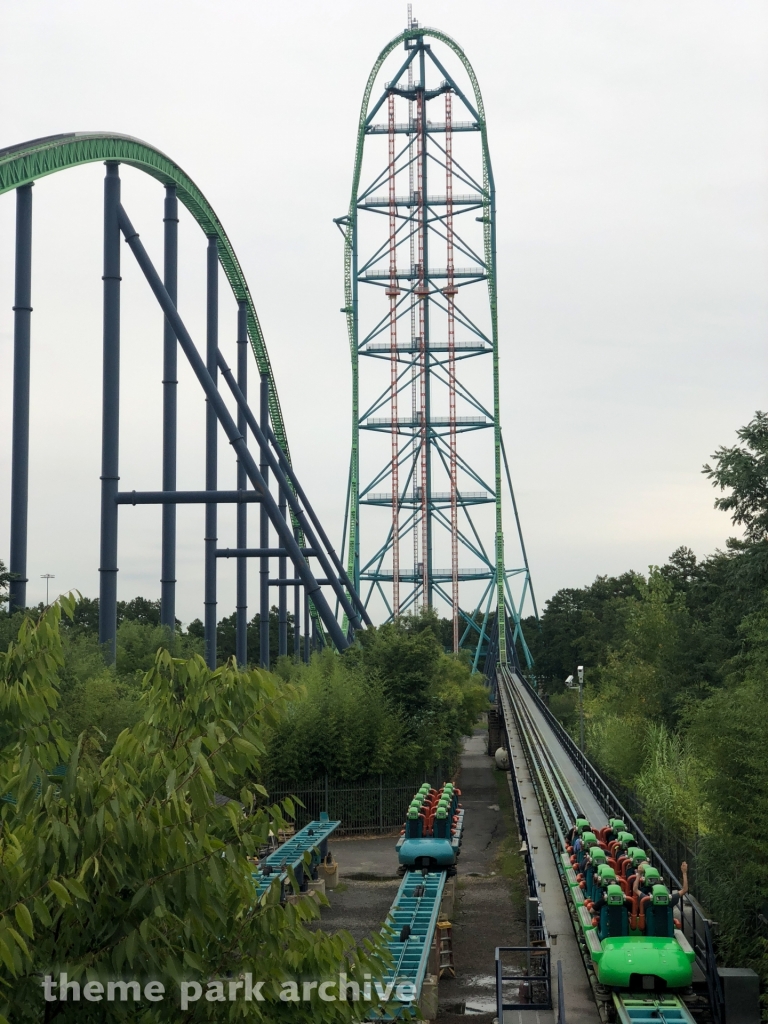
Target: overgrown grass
{"x": 509, "y": 861}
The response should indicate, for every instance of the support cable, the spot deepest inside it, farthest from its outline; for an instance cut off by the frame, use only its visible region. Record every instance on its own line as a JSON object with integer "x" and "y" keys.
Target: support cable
{"x": 422, "y": 293}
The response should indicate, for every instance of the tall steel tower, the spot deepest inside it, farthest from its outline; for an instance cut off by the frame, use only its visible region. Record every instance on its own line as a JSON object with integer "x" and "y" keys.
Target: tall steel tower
{"x": 424, "y": 524}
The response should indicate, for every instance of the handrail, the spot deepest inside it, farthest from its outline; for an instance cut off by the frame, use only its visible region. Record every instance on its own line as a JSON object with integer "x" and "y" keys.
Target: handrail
{"x": 535, "y": 955}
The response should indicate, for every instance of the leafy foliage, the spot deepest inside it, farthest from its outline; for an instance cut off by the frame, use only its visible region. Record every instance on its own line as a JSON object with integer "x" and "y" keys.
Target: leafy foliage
{"x": 338, "y": 724}
{"x": 226, "y": 635}
{"x": 129, "y": 865}
{"x": 393, "y": 704}
{"x": 745, "y": 471}
{"x": 5, "y": 579}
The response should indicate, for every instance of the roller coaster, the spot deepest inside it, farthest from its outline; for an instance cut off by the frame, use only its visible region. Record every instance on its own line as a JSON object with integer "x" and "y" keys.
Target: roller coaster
{"x": 288, "y": 513}
{"x": 404, "y": 313}
{"x": 640, "y": 946}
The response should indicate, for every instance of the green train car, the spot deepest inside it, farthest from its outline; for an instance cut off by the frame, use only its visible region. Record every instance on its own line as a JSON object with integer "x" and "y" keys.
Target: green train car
{"x": 634, "y": 940}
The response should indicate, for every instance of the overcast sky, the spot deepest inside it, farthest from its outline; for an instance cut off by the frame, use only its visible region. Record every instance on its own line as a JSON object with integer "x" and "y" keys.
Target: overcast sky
{"x": 629, "y": 146}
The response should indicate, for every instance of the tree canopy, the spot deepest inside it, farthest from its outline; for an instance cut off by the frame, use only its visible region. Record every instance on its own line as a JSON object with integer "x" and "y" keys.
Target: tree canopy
{"x": 676, "y": 669}
{"x": 744, "y": 470}
{"x": 129, "y": 865}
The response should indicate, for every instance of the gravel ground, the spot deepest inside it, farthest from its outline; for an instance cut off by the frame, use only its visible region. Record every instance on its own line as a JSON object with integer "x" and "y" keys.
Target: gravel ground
{"x": 489, "y": 888}
{"x": 360, "y": 907}
{"x": 485, "y": 915}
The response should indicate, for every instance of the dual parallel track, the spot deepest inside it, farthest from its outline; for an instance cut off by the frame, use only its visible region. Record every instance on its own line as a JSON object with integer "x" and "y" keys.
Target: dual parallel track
{"x": 559, "y": 809}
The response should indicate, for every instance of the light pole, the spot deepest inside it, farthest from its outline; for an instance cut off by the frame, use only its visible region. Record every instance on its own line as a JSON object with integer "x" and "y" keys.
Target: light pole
{"x": 47, "y": 576}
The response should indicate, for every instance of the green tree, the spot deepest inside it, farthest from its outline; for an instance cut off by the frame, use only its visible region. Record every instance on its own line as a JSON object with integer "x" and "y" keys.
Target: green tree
{"x": 5, "y": 579}
{"x": 578, "y": 626}
{"x": 337, "y": 723}
{"x": 393, "y": 703}
{"x": 226, "y": 637}
{"x": 130, "y": 866}
{"x": 744, "y": 470}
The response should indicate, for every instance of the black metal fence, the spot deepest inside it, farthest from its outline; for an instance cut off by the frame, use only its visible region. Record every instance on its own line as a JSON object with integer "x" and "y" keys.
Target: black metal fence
{"x": 523, "y": 979}
{"x": 373, "y": 804}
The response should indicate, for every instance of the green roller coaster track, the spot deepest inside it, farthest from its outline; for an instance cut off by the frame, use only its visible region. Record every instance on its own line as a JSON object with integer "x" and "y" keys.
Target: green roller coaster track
{"x": 25, "y": 163}
{"x": 28, "y": 161}
{"x": 489, "y": 239}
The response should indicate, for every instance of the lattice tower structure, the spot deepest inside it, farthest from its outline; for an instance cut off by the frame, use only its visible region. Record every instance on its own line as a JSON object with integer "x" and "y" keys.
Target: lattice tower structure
{"x": 421, "y": 235}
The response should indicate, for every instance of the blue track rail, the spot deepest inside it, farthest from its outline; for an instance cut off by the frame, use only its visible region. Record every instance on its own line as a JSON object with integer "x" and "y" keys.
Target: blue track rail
{"x": 413, "y": 918}
{"x": 313, "y": 838}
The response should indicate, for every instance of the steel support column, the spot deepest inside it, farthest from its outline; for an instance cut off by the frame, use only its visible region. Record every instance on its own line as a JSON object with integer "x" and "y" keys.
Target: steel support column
{"x": 170, "y": 391}
{"x": 306, "y": 627}
{"x": 110, "y": 421}
{"x": 282, "y": 649}
{"x": 211, "y": 452}
{"x": 297, "y": 623}
{"x": 241, "y": 635}
{"x": 229, "y": 425}
{"x": 304, "y": 517}
{"x": 22, "y": 316}
{"x": 264, "y": 534}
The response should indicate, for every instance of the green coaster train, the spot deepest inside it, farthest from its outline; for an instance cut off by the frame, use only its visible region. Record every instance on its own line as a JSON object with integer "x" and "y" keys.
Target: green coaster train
{"x": 633, "y": 932}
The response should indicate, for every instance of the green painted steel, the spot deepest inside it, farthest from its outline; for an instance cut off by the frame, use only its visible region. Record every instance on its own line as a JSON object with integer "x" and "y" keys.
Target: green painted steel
{"x": 349, "y": 224}
{"x": 29, "y": 161}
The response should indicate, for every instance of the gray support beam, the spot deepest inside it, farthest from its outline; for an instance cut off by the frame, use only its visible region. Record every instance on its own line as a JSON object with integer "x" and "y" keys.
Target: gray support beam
{"x": 353, "y": 597}
{"x": 186, "y": 497}
{"x": 258, "y": 552}
{"x": 264, "y": 533}
{"x": 170, "y": 390}
{"x": 306, "y": 627}
{"x": 208, "y": 385}
{"x": 277, "y": 582}
{"x": 110, "y": 418}
{"x": 241, "y": 635}
{"x": 283, "y": 592}
{"x": 22, "y": 316}
{"x": 211, "y": 451}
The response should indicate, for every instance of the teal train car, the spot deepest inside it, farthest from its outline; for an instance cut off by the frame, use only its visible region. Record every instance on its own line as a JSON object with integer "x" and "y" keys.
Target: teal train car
{"x": 431, "y": 838}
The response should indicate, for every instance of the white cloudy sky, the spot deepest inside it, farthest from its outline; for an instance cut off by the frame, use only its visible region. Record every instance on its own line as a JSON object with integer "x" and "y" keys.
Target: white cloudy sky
{"x": 629, "y": 148}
